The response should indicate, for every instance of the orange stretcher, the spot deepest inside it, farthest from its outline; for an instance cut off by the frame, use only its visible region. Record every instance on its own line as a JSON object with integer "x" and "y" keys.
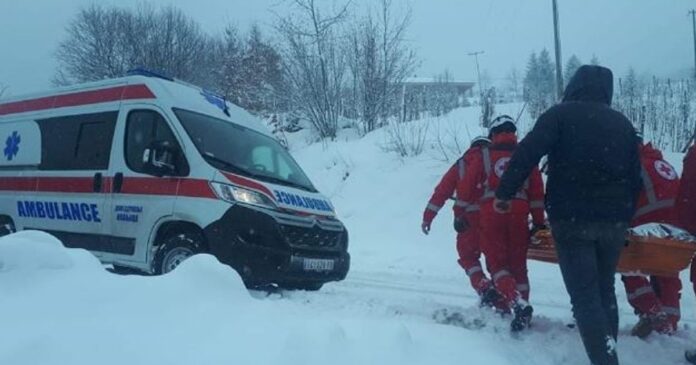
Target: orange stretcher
{"x": 643, "y": 255}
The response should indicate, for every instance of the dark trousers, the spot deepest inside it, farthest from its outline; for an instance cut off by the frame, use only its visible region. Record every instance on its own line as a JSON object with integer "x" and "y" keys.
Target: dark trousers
{"x": 588, "y": 254}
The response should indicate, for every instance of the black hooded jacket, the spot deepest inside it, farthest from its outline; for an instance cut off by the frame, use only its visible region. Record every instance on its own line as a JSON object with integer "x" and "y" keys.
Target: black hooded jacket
{"x": 593, "y": 162}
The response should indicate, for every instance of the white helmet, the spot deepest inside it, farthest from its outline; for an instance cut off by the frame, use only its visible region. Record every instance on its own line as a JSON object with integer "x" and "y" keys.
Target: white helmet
{"x": 500, "y": 120}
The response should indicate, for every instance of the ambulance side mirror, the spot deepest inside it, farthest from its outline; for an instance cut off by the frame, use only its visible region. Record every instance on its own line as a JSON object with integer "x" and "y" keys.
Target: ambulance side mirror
{"x": 159, "y": 159}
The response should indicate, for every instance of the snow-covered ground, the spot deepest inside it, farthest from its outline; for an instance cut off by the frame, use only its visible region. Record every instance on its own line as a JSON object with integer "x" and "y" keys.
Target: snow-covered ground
{"x": 59, "y": 306}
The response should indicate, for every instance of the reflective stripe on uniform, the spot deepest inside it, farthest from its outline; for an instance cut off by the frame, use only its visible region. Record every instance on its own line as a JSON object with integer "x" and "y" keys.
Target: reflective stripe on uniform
{"x": 473, "y": 270}
{"x": 522, "y": 287}
{"x": 473, "y": 208}
{"x": 486, "y": 161}
{"x": 653, "y": 203}
{"x": 648, "y": 186}
{"x": 462, "y": 168}
{"x": 640, "y": 291}
{"x": 536, "y": 204}
{"x": 461, "y": 204}
{"x": 672, "y": 311}
{"x": 520, "y": 195}
{"x": 433, "y": 207}
{"x": 500, "y": 274}
{"x": 668, "y": 203}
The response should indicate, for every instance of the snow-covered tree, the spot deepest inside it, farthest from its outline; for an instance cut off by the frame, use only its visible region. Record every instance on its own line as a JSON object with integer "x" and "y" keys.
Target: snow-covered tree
{"x": 105, "y": 42}
{"x": 379, "y": 60}
{"x": 572, "y": 65}
{"x": 595, "y": 60}
{"x": 488, "y": 107}
{"x": 539, "y": 83}
{"x": 513, "y": 85}
{"x": 314, "y": 63}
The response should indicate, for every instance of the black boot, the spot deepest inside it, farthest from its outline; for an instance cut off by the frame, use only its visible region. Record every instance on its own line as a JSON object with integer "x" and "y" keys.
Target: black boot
{"x": 490, "y": 297}
{"x": 523, "y": 317}
{"x": 690, "y": 356}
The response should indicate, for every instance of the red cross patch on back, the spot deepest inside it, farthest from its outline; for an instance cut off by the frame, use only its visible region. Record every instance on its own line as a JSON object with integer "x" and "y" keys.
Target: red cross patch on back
{"x": 665, "y": 170}
{"x": 501, "y": 165}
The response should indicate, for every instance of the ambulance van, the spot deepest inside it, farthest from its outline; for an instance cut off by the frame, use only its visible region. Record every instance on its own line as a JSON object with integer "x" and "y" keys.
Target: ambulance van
{"x": 145, "y": 171}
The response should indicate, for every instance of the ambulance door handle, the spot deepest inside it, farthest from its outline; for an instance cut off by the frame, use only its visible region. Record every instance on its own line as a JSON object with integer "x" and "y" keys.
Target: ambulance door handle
{"x": 118, "y": 182}
{"x": 97, "y": 182}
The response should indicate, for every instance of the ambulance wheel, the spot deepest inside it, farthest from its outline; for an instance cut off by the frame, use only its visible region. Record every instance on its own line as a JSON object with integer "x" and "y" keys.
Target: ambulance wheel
{"x": 6, "y": 226}
{"x": 175, "y": 249}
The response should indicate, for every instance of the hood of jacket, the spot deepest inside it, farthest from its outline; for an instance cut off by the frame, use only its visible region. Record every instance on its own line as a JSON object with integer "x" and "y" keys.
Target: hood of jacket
{"x": 590, "y": 84}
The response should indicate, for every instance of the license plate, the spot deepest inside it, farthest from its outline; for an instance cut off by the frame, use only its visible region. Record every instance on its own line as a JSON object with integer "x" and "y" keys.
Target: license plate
{"x": 317, "y": 265}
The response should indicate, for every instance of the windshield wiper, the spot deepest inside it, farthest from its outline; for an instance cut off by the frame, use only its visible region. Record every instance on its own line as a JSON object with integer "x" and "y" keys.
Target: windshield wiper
{"x": 246, "y": 172}
{"x": 227, "y": 164}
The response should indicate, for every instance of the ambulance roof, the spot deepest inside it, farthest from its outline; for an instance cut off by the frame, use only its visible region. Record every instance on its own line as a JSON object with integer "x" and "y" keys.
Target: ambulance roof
{"x": 168, "y": 94}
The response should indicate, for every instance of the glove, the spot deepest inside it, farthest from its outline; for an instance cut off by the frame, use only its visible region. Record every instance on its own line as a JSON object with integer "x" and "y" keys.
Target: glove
{"x": 536, "y": 228}
{"x": 425, "y": 227}
{"x": 460, "y": 224}
{"x": 501, "y": 206}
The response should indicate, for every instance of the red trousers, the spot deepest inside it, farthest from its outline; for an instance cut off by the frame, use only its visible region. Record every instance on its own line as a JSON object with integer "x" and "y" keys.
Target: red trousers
{"x": 505, "y": 240}
{"x": 468, "y": 248}
{"x": 659, "y": 294}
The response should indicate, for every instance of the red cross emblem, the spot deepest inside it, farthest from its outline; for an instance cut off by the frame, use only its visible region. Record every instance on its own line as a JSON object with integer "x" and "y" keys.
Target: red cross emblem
{"x": 501, "y": 165}
{"x": 665, "y": 170}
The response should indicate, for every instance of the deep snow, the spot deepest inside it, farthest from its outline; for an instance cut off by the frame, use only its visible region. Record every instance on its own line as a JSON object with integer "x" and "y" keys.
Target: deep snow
{"x": 59, "y": 306}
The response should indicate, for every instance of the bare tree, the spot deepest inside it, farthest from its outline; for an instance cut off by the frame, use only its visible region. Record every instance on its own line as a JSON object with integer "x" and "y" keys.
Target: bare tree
{"x": 105, "y": 42}
{"x": 314, "y": 64}
{"x": 380, "y": 60}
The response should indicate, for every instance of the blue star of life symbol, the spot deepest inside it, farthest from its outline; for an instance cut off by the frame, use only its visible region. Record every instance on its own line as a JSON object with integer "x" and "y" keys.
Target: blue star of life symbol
{"x": 12, "y": 145}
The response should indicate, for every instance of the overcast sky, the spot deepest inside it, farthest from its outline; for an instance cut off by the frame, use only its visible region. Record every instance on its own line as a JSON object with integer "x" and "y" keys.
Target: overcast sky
{"x": 654, "y": 36}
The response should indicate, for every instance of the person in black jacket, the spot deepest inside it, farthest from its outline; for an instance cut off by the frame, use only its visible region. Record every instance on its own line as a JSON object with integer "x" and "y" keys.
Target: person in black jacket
{"x": 593, "y": 184}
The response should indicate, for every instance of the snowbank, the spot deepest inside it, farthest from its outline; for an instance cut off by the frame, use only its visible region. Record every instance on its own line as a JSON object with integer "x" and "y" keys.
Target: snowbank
{"x": 59, "y": 306}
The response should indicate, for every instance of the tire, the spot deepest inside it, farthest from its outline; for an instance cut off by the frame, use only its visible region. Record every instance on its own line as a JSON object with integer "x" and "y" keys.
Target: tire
{"x": 125, "y": 270}
{"x": 302, "y": 285}
{"x": 6, "y": 227}
{"x": 174, "y": 250}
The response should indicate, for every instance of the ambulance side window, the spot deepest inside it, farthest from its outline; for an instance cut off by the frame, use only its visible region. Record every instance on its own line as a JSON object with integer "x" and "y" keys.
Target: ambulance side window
{"x": 143, "y": 128}
{"x": 77, "y": 142}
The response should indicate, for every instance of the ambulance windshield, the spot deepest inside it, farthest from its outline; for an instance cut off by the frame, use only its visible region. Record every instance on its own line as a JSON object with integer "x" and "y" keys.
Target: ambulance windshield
{"x": 240, "y": 150}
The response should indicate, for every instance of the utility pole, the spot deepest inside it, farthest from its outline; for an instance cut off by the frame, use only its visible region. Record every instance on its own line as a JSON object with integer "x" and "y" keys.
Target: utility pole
{"x": 478, "y": 72}
{"x": 559, "y": 59}
{"x": 693, "y": 26}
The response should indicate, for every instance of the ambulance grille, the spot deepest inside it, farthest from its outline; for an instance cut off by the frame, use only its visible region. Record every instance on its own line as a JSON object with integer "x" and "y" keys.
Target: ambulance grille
{"x": 314, "y": 237}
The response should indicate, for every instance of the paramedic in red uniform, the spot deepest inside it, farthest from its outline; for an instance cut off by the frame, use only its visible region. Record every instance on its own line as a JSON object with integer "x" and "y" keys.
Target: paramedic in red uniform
{"x": 466, "y": 215}
{"x": 656, "y": 301}
{"x": 505, "y": 235}
{"x": 686, "y": 212}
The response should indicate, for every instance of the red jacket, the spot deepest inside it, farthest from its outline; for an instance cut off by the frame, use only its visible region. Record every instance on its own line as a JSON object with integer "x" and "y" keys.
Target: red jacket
{"x": 483, "y": 174}
{"x": 660, "y": 188}
{"x": 686, "y": 198}
{"x": 447, "y": 186}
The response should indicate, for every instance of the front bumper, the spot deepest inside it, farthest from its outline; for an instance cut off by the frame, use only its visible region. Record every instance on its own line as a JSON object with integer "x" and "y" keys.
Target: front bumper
{"x": 267, "y": 247}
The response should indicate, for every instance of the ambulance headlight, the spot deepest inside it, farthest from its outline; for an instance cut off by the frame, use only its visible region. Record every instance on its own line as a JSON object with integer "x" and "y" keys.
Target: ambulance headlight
{"x": 235, "y": 194}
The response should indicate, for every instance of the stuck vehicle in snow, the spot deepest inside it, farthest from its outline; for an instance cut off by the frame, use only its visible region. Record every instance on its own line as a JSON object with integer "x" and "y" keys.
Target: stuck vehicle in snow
{"x": 145, "y": 171}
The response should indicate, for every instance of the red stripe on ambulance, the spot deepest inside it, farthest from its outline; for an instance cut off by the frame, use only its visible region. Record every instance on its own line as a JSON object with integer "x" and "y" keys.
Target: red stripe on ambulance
{"x": 128, "y": 92}
{"x": 195, "y": 188}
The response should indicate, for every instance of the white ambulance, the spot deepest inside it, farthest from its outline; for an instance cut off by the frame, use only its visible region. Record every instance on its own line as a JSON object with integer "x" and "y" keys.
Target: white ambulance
{"x": 145, "y": 171}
